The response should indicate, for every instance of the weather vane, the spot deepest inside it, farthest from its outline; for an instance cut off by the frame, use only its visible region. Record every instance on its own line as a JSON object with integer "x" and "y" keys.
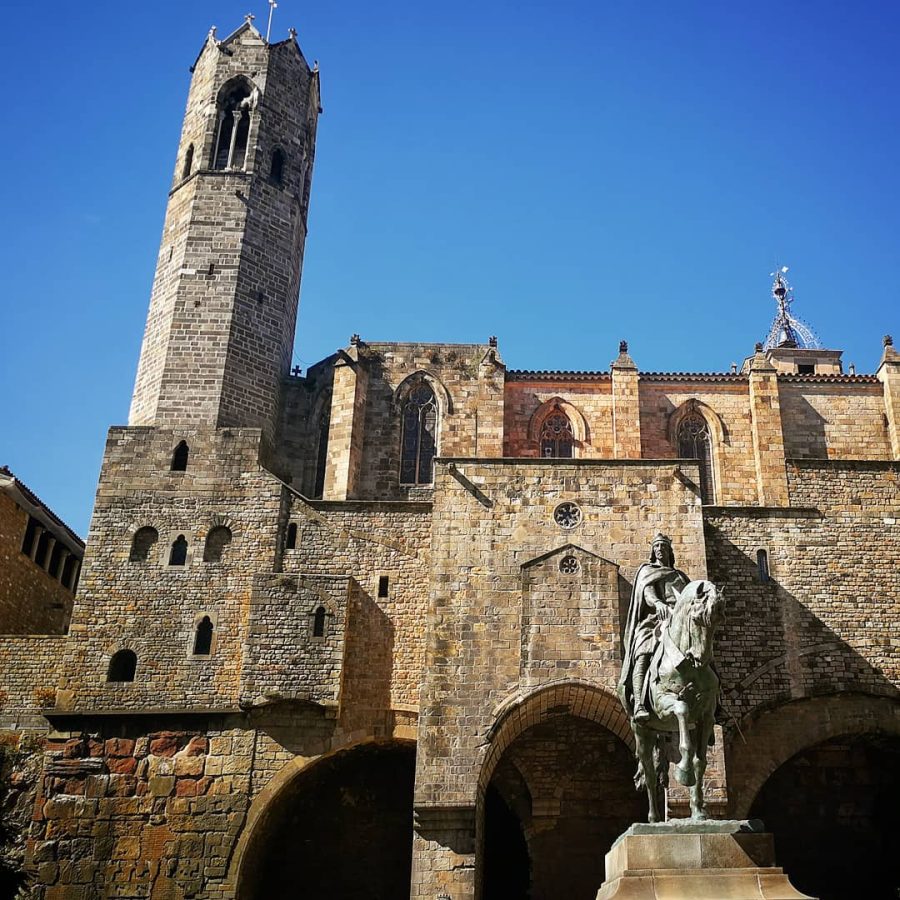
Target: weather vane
{"x": 272, "y": 6}
{"x": 787, "y": 330}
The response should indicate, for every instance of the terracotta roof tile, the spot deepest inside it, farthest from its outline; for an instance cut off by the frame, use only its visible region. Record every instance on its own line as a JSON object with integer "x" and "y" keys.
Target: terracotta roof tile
{"x": 33, "y": 498}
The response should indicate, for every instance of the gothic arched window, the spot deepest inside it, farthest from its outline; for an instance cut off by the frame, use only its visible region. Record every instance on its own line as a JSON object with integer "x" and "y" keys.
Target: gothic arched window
{"x": 419, "y": 438}
{"x": 178, "y": 553}
{"x": 695, "y": 442}
{"x": 557, "y": 439}
{"x": 236, "y": 104}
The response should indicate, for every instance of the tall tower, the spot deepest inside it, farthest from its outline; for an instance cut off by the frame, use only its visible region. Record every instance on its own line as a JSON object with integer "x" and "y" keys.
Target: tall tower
{"x": 220, "y": 328}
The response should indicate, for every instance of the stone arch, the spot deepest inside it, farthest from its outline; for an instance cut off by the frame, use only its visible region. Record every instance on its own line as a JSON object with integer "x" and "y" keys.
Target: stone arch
{"x": 267, "y": 804}
{"x": 717, "y": 439}
{"x": 580, "y": 429}
{"x": 442, "y": 395}
{"x": 775, "y": 736}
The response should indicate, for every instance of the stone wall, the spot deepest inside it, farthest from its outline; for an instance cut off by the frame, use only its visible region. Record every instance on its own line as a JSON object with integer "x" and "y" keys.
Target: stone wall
{"x": 31, "y": 667}
{"x": 31, "y": 602}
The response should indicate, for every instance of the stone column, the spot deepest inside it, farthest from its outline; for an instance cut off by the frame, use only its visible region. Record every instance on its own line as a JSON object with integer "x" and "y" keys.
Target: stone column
{"x": 38, "y": 531}
{"x": 443, "y": 854}
{"x": 889, "y": 376}
{"x": 768, "y": 439}
{"x": 626, "y": 406}
{"x": 51, "y": 544}
{"x": 346, "y": 426}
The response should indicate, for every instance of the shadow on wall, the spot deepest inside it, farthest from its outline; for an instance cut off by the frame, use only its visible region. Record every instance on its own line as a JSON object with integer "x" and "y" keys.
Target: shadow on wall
{"x": 804, "y": 430}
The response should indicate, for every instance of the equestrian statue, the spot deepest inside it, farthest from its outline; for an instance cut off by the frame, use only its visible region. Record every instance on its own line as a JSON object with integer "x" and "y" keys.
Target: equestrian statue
{"x": 668, "y": 684}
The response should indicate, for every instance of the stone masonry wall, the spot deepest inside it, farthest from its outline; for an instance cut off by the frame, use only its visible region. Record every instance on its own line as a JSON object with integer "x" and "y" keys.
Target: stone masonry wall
{"x": 31, "y": 667}
{"x": 825, "y": 621}
{"x": 31, "y": 602}
{"x": 152, "y": 607}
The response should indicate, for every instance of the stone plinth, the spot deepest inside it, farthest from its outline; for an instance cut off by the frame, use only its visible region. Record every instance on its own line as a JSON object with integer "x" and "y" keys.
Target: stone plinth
{"x": 686, "y": 860}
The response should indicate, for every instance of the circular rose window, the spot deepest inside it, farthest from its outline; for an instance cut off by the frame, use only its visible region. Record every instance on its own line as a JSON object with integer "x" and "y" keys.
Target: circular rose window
{"x": 568, "y": 565}
{"x": 567, "y": 515}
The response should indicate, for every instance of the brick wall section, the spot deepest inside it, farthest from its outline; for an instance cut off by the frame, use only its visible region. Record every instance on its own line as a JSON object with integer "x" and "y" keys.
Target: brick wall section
{"x": 833, "y": 420}
{"x": 31, "y": 666}
{"x": 31, "y": 602}
{"x": 152, "y": 607}
{"x": 729, "y": 401}
{"x": 825, "y": 623}
{"x": 218, "y": 341}
{"x": 593, "y": 400}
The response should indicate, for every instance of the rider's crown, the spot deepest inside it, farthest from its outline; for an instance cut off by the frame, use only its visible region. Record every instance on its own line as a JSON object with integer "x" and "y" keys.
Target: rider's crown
{"x": 661, "y": 538}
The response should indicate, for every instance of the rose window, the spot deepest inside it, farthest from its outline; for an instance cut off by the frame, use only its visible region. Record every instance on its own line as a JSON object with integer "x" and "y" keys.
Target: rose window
{"x": 568, "y": 565}
{"x": 567, "y": 515}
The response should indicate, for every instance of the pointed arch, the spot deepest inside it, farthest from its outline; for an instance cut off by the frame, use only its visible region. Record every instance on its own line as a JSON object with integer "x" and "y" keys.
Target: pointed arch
{"x": 545, "y": 415}
{"x": 422, "y": 401}
{"x": 444, "y": 400}
{"x": 695, "y": 431}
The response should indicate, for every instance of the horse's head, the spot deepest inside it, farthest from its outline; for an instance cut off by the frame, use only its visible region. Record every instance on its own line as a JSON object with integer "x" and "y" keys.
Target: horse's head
{"x": 699, "y": 610}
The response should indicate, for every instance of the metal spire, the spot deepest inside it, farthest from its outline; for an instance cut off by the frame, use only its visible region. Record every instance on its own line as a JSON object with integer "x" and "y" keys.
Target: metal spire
{"x": 272, "y": 7}
{"x": 787, "y": 330}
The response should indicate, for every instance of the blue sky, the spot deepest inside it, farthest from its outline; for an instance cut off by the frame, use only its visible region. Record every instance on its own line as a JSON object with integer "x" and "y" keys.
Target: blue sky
{"x": 562, "y": 175}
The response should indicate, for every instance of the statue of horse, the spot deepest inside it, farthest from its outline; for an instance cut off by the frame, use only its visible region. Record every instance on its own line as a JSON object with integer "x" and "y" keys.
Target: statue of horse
{"x": 683, "y": 692}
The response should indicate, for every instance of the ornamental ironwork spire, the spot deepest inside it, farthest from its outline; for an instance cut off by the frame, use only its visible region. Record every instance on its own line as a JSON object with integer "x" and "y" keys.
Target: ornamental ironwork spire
{"x": 787, "y": 330}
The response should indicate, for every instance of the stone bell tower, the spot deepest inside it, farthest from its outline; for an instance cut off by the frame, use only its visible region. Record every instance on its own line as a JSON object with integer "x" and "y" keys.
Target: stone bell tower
{"x": 220, "y": 328}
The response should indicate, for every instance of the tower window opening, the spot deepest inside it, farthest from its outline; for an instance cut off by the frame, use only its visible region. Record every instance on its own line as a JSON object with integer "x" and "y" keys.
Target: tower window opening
{"x": 217, "y": 541}
{"x": 203, "y": 637}
{"x": 122, "y": 666}
{"x": 806, "y": 369}
{"x": 290, "y": 540}
{"x": 319, "y": 622}
{"x": 178, "y": 554}
{"x": 68, "y": 572}
{"x": 419, "y": 438}
{"x": 56, "y": 560}
{"x": 43, "y": 548}
{"x": 762, "y": 566}
{"x": 188, "y": 162}
{"x": 383, "y": 583}
{"x": 694, "y": 442}
{"x": 142, "y": 543}
{"x": 31, "y": 530}
{"x": 235, "y": 110}
{"x": 557, "y": 439}
{"x": 180, "y": 457}
{"x": 276, "y": 173}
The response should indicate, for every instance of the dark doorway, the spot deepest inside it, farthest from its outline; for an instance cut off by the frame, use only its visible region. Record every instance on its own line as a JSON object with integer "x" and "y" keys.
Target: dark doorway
{"x": 343, "y": 829}
{"x": 833, "y": 811}
{"x": 564, "y": 789}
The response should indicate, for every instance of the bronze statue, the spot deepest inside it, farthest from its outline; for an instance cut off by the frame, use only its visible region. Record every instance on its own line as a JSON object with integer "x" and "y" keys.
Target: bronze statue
{"x": 668, "y": 683}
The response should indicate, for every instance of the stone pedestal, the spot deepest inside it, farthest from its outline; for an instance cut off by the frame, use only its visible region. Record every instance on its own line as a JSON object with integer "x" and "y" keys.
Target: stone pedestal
{"x": 687, "y": 860}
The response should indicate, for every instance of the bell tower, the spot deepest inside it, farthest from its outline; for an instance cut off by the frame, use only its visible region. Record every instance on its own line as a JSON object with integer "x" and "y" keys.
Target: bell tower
{"x": 223, "y": 308}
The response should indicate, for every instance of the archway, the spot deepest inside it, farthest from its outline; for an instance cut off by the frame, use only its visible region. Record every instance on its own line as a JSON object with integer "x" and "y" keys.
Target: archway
{"x": 342, "y": 827}
{"x": 559, "y": 796}
{"x": 833, "y": 811}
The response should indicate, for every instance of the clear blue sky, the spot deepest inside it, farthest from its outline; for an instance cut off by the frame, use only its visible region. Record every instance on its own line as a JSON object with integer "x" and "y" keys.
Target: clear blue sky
{"x": 561, "y": 174}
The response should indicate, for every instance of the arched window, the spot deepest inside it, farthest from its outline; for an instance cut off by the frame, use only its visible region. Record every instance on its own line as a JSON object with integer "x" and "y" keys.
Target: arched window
{"x": 290, "y": 540}
{"x": 276, "y": 173}
{"x": 216, "y": 542}
{"x": 557, "y": 440}
{"x": 419, "y": 438}
{"x": 122, "y": 666}
{"x": 178, "y": 554}
{"x": 142, "y": 543}
{"x": 203, "y": 637}
{"x": 319, "y": 622}
{"x": 322, "y": 451}
{"x": 694, "y": 442}
{"x": 180, "y": 457}
{"x": 762, "y": 566}
{"x": 188, "y": 162}
{"x": 236, "y": 104}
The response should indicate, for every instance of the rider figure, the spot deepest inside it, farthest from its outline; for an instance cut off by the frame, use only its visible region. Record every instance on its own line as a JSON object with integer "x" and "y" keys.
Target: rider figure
{"x": 652, "y": 599}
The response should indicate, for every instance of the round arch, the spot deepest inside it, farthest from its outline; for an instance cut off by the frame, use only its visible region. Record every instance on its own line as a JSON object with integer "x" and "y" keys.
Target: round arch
{"x": 775, "y": 736}
{"x": 270, "y": 801}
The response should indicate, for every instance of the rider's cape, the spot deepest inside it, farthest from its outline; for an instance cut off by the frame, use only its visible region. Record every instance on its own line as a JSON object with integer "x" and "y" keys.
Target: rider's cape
{"x": 647, "y": 575}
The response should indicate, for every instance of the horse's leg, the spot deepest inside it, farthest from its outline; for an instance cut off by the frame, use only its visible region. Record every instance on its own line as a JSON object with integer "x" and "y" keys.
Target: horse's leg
{"x": 684, "y": 771}
{"x": 645, "y": 742}
{"x": 702, "y": 735}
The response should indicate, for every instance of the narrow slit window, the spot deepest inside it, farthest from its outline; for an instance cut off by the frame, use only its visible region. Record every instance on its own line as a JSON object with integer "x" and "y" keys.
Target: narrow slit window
{"x": 180, "y": 457}
{"x": 188, "y": 162}
{"x": 203, "y": 637}
{"x": 319, "y": 622}
{"x": 178, "y": 554}
{"x": 762, "y": 566}
{"x": 276, "y": 173}
{"x": 122, "y": 666}
{"x": 290, "y": 541}
{"x": 383, "y": 584}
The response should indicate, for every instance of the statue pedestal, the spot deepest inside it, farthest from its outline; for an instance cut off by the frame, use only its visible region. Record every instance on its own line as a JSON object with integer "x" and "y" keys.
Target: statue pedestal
{"x": 687, "y": 860}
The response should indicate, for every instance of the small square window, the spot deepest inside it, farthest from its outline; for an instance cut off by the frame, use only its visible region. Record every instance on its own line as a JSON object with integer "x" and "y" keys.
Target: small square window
{"x": 383, "y": 583}
{"x": 806, "y": 369}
